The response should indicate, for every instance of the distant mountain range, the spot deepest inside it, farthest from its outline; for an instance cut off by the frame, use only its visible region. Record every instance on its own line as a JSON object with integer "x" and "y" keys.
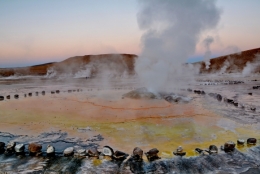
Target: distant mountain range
{"x": 124, "y": 63}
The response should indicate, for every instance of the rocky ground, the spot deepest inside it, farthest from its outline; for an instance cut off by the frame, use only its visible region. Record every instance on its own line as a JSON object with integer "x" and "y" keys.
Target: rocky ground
{"x": 88, "y": 113}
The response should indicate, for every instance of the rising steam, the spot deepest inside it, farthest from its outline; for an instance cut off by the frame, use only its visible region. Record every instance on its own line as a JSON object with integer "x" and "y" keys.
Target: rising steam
{"x": 172, "y": 29}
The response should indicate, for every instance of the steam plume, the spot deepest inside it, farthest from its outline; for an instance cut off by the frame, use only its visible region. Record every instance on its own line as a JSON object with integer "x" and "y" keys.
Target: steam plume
{"x": 207, "y": 42}
{"x": 171, "y": 31}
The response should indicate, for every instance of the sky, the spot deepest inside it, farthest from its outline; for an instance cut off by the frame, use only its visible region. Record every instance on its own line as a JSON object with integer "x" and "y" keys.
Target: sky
{"x": 34, "y": 31}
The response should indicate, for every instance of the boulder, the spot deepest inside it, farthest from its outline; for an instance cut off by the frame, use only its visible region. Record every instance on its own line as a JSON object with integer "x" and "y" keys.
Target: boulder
{"x": 108, "y": 151}
{"x": 179, "y": 152}
{"x": 120, "y": 156}
{"x": 251, "y": 141}
{"x": 68, "y": 151}
{"x": 93, "y": 152}
{"x": 219, "y": 97}
{"x": 240, "y": 142}
{"x": 35, "y": 149}
{"x": 80, "y": 152}
{"x": 138, "y": 153}
{"x": 2, "y": 98}
{"x": 152, "y": 155}
{"x": 10, "y": 147}
{"x": 213, "y": 149}
{"x": 50, "y": 150}
{"x": 198, "y": 150}
{"x": 19, "y": 148}
{"x": 229, "y": 146}
{"x": 2, "y": 147}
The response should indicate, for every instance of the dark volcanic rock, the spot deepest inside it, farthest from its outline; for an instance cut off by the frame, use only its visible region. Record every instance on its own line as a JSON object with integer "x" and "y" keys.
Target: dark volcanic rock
{"x": 2, "y": 147}
{"x": 138, "y": 153}
{"x": 10, "y": 147}
{"x": 120, "y": 156}
{"x": 152, "y": 154}
{"x": 251, "y": 141}
{"x": 229, "y": 146}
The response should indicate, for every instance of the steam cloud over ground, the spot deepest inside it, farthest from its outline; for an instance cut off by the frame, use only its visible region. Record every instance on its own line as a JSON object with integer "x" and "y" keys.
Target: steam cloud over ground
{"x": 171, "y": 31}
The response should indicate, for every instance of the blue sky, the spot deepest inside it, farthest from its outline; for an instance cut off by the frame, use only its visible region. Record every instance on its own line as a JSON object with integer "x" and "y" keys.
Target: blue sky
{"x": 35, "y": 31}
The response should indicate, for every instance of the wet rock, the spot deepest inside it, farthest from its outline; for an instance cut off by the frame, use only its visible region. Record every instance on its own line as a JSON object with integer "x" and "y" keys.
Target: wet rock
{"x": 240, "y": 142}
{"x": 19, "y": 149}
{"x": 179, "y": 152}
{"x": 108, "y": 151}
{"x": 252, "y": 108}
{"x": 251, "y": 141}
{"x": 229, "y": 146}
{"x": 8, "y": 97}
{"x": 16, "y": 96}
{"x": 57, "y": 91}
{"x": 138, "y": 153}
{"x": 93, "y": 152}
{"x": 135, "y": 162}
{"x": 213, "y": 149}
{"x": 152, "y": 155}
{"x": 36, "y": 93}
{"x": 219, "y": 97}
{"x": 81, "y": 153}
{"x": 198, "y": 150}
{"x": 50, "y": 150}
{"x": 2, "y": 147}
{"x": 120, "y": 156}
{"x": 10, "y": 147}
{"x": 2, "y": 98}
{"x": 30, "y": 94}
{"x": 68, "y": 151}
{"x": 35, "y": 149}
{"x": 230, "y": 101}
{"x": 43, "y": 92}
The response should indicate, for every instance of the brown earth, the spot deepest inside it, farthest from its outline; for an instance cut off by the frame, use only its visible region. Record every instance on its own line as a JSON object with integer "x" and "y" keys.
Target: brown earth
{"x": 235, "y": 62}
{"x": 122, "y": 62}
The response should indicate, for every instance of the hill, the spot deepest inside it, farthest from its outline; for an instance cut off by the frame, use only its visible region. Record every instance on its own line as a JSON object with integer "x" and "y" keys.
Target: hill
{"x": 248, "y": 60}
{"x": 118, "y": 63}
